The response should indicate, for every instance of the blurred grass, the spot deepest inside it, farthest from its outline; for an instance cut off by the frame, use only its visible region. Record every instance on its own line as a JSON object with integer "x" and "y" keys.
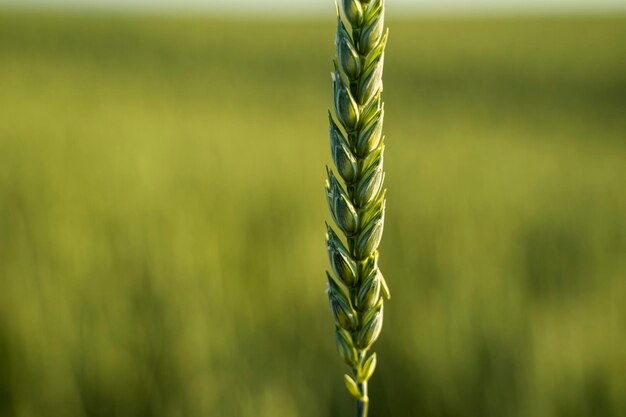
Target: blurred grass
{"x": 161, "y": 218}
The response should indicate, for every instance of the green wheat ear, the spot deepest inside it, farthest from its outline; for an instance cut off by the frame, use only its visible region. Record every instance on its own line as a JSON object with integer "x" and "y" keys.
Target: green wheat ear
{"x": 357, "y": 202}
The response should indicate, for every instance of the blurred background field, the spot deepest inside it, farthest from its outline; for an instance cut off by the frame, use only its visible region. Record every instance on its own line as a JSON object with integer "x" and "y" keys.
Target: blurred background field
{"x": 162, "y": 208}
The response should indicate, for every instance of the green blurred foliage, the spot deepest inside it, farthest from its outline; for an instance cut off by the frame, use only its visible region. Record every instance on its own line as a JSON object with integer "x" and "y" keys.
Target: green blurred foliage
{"x": 162, "y": 209}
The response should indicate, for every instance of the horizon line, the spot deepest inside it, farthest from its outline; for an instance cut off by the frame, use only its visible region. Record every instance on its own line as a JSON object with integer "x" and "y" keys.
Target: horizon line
{"x": 316, "y": 12}
{"x": 312, "y": 10}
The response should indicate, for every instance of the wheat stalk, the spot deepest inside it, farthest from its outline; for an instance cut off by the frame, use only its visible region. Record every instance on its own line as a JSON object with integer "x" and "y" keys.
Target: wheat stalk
{"x": 358, "y": 206}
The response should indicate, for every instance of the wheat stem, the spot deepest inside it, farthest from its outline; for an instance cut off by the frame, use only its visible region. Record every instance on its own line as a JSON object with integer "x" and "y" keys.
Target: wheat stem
{"x": 357, "y": 200}
{"x": 362, "y": 405}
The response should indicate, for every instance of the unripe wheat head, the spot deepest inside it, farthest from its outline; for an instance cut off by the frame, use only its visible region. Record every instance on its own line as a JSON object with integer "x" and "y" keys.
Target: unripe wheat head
{"x": 357, "y": 200}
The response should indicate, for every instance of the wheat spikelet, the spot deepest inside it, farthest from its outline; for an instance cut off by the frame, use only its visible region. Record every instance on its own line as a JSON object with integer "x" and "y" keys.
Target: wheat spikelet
{"x": 357, "y": 201}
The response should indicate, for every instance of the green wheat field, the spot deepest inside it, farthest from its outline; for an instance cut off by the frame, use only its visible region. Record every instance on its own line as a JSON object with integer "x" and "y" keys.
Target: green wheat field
{"x": 162, "y": 218}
